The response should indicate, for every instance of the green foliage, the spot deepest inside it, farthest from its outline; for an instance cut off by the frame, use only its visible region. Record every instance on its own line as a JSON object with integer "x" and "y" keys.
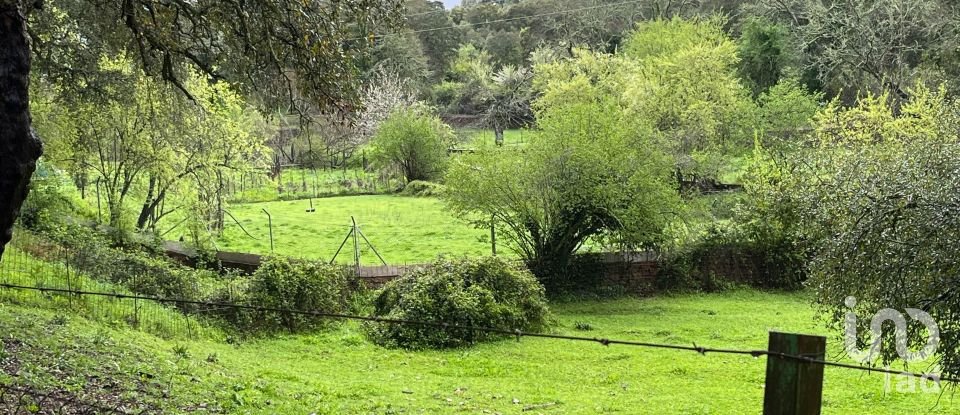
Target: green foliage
{"x": 873, "y": 193}
{"x": 765, "y": 54}
{"x": 786, "y": 112}
{"x": 49, "y": 205}
{"x": 588, "y": 172}
{"x": 684, "y": 84}
{"x": 729, "y": 255}
{"x": 139, "y": 271}
{"x": 862, "y": 46}
{"x": 148, "y": 144}
{"x": 422, "y": 188}
{"x": 414, "y": 141}
{"x": 484, "y": 292}
{"x": 403, "y": 55}
{"x": 284, "y": 283}
{"x": 662, "y": 38}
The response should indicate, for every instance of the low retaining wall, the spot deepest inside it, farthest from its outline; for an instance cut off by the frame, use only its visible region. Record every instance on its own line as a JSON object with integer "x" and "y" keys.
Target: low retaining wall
{"x": 633, "y": 272}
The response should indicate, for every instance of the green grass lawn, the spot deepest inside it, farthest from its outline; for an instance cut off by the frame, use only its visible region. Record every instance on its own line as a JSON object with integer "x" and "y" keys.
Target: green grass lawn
{"x": 403, "y": 229}
{"x": 338, "y": 371}
{"x": 301, "y": 183}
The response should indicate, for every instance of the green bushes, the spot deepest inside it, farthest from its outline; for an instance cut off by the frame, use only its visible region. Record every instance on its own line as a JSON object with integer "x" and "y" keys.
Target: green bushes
{"x": 422, "y": 188}
{"x": 415, "y": 141}
{"x": 731, "y": 255}
{"x": 48, "y": 205}
{"x": 297, "y": 285}
{"x": 485, "y": 292}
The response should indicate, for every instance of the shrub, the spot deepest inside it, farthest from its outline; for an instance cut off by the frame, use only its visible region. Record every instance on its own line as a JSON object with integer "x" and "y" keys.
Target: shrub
{"x": 415, "y": 141}
{"x": 484, "y": 292}
{"x": 731, "y": 255}
{"x": 297, "y": 285}
{"x": 136, "y": 267}
{"x": 48, "y": 205}
{"x": 422, "y": 188}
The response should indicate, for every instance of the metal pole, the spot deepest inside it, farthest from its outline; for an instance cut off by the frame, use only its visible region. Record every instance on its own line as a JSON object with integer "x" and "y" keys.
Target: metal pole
{"x": 371, "y": 246}
{"x": 270, "y": 225}
{"x": 493, "y": 237}
{"x": 356, "y": 246}
{"x": 347, "y": 238}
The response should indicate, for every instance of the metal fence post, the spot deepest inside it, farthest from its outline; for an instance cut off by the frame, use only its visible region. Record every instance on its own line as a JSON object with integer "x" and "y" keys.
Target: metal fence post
{"x": 793, "y": 386}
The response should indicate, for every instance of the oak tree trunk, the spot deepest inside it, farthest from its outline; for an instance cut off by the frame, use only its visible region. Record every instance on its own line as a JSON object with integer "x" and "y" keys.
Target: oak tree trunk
{"x": 19, "y": 147}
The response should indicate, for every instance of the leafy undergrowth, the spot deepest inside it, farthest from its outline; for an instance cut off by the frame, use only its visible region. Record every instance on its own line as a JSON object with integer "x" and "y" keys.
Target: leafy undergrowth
{"x": 339, "y": 371}
{"x": 76, "y": 360}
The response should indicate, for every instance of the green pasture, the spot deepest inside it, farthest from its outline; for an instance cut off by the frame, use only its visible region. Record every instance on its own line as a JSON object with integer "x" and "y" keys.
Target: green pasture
{"x": 402, "y": 229}
{"x": 339, "y": 371}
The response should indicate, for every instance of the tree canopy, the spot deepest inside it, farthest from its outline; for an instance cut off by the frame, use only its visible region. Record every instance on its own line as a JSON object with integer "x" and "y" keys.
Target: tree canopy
{"x": 301, "y": 53}
{"x": 589, "y": 172}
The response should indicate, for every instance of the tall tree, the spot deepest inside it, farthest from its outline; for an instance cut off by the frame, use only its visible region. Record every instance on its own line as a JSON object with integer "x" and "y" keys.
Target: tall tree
{"x": 273, "y": 46}
{"x": 861, "y": 46}
{"x": 685, "y": 83}
{"x": 591, "y": 171}
{"x": 436, "y": 31}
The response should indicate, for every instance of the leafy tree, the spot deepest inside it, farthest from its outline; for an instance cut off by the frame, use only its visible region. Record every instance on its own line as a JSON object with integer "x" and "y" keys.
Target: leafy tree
{"x": 154, "y": 143}
{"x": 402, "y": 54}
{"x": 684, "y": 83}
{"x": 415, "y": 141}
{"x": 589, "y": 172}
{"x": 500, "y": 96}
{"x": 274, "y": 46}
{"x": 871, "y": 46}
{"x": 786, "y": 111}
{"x": 437, "y": 33}
{"x": 873, "y": 196}
{"x": 383, "y": 94}
{"x": 765, "y": 54}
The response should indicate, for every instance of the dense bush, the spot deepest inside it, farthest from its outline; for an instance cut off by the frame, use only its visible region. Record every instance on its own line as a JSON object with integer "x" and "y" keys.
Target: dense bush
{"x": 138, "y": 268}
{"x": 422, "y": 188}
{"x": 731, "y": 255}
{"x": 48, "y": 206}
{"x": 297, "y": 285}
{"x": 415, "y": 141}
{"x": 485, "y": 292}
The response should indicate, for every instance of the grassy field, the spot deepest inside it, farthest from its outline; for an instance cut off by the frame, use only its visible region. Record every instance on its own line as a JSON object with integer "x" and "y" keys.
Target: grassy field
{"x": 340, "y": 372}
{"x": 472, "y": 137}
{"x": 300, "y": 183}
{"x": 403, "y": 229}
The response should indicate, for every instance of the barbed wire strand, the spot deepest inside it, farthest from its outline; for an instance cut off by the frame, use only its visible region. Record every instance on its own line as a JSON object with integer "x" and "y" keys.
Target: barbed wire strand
{"x": 756, "y": 353}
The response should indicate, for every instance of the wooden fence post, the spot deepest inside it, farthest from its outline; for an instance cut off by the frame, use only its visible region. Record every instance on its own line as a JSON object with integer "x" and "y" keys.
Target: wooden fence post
{"x": 794, "y": 387}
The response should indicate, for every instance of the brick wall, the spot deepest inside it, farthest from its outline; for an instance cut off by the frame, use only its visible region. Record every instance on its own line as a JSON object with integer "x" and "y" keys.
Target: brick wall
{"x": 634, "y": 272}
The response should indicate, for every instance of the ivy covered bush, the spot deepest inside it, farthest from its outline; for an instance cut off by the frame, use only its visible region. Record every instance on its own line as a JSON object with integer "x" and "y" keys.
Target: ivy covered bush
{"x": 483, "y": 292}
{"x": 286, "y": 283}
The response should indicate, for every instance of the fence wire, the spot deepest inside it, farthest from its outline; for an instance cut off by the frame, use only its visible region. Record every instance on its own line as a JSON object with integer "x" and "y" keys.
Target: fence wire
{"x": 494, "y": 330}
{"x": 49, "y": 282}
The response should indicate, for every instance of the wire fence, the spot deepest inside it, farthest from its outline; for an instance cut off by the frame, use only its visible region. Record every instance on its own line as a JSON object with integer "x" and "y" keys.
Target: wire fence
{"x": 702, "y": 350}
{"x": 27, "y": 280}
{"x": 51, "y": 277}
